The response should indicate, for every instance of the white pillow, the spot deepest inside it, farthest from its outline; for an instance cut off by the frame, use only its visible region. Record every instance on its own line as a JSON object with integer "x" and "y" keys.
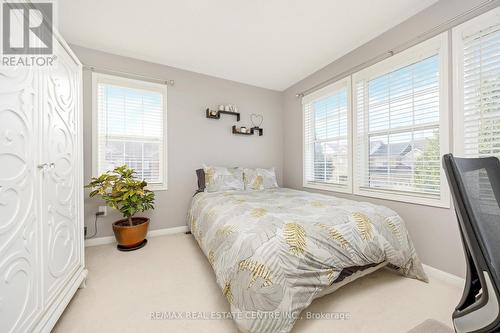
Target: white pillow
{"x": 219, "y": 179}
{"x": 259, "y": 179}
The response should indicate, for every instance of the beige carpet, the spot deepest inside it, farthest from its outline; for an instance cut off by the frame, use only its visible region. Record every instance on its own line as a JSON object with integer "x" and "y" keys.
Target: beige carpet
{"x": 432, "y": 326}
{"x": 171, "y": 274}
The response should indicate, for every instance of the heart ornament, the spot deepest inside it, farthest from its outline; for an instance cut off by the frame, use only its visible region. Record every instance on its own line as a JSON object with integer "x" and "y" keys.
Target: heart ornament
{"x": 256, "y": 119}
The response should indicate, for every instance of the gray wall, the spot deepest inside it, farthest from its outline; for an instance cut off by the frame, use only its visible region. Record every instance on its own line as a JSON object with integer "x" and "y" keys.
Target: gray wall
{"x": 192, "y": 138}
{"x": 434, "y": 230}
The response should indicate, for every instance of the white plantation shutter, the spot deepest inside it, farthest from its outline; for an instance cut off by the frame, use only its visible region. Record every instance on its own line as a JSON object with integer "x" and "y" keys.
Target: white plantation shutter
{"x": 130, "y": 120}
{"x": 327, "y": 146}
{"x": 477, "y": 63}
{"x": 399, "y": 125}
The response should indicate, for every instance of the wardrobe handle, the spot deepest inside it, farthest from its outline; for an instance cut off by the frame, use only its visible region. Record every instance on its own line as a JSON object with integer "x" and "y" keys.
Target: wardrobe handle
{"x": 45, "y": 166}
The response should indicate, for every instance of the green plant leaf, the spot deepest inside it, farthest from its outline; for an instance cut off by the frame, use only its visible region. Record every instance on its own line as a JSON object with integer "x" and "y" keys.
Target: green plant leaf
{"x": 120, "y": 190}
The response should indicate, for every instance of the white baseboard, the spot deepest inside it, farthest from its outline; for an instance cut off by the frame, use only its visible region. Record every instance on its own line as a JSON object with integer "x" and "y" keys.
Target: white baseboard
{"x": 99, "y": 241}
{"x": 444, "y": 276}
{"x": 151, "y": 233}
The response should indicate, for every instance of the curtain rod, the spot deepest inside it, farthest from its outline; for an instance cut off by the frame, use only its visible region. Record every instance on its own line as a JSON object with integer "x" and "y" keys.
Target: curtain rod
{"x": 428, "y": 34}
{"x": 122, "y": 73}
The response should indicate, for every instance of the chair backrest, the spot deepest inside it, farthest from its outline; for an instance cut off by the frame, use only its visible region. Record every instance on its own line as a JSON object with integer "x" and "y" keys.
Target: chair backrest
{"x": 475, "y": 187}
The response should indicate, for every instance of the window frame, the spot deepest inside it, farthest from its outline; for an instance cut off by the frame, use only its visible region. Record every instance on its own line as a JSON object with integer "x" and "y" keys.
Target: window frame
{"x": 474, "y": 24}
{"x": 311, "y": 98}
{"x": 436, "y": 45}
{"x": 121, "y": 81}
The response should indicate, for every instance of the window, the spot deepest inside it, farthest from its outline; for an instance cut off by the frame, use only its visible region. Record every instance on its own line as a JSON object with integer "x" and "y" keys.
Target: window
{"x": 477, "y": 86}
{"x": 399, "y": 129}
{"x": 327, "y": 152}
{"x": 401, "y": 125}
{"x": 130, "y": 127}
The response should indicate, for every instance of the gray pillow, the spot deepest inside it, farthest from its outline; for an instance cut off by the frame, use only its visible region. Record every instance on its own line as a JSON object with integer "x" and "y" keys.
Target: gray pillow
{"x": 201, "y": 180}
{"x": 259, "y": 179}
{"x": 218, "y": 179}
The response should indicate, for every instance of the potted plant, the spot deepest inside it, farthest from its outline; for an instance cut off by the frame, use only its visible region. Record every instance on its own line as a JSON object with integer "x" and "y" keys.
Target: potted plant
{"x": 120, "y": 190}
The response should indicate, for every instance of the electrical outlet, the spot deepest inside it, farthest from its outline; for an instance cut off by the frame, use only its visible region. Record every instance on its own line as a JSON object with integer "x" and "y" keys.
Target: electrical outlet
{"x": 103, "y": 210}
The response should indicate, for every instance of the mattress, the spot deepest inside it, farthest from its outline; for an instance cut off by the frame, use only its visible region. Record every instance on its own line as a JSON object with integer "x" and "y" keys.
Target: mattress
{"x": 274, "y": 251}
{"x": 349, "y": 275}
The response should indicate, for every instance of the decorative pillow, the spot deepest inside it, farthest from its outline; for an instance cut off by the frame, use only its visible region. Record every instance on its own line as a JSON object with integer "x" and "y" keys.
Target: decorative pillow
{"x": 223, "y": 179}
{"x": 259, "y": 179}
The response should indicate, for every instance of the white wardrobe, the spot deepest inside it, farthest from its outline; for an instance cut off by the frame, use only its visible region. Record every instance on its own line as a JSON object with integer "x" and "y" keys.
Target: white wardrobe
{"x": 41, "y": 192}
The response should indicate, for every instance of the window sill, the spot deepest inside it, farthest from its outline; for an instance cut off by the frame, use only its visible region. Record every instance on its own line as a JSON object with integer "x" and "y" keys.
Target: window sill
{"x": 157, "y": 188}
{"x": 443, "y": 202}
{"x": 327, "y": 187}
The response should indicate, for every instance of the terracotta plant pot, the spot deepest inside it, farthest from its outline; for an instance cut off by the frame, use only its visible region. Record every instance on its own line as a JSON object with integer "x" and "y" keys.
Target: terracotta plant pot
{"x": 129, "y": 236}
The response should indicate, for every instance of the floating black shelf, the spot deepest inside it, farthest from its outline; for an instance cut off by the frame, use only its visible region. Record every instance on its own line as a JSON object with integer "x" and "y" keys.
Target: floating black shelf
{"x": 251, "y": 132}
{"x": 217, "y": 116}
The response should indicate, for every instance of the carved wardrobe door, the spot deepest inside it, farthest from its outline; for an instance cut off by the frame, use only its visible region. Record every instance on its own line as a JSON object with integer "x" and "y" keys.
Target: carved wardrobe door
{"x": 62, "y": 174}
{"x": 41, "y": 191}
{"x": 20, "y": 255}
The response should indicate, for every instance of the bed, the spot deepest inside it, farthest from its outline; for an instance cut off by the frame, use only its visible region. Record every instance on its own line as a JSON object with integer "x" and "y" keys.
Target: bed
{"x": 275, "y": 251}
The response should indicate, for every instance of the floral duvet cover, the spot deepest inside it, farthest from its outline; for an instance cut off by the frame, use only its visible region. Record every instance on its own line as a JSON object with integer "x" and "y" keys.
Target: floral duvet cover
{"x": 274, "y": 251}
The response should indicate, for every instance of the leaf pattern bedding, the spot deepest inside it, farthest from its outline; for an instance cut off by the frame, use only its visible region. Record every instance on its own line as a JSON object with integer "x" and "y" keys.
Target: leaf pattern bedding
{"x": 275, "y": 251}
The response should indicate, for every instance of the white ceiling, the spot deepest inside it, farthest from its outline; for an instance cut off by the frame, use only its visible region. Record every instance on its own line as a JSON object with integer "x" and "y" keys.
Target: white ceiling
{"x": 266, "y": 43}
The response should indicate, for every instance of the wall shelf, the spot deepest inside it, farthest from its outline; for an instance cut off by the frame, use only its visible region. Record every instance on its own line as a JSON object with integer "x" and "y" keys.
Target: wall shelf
{"x": 217, "y": 116}
{"x": 252, "y": 131}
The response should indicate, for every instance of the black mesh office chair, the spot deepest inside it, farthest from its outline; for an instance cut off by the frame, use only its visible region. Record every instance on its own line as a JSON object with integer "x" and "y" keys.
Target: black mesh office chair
{"x": 475, "y": 187}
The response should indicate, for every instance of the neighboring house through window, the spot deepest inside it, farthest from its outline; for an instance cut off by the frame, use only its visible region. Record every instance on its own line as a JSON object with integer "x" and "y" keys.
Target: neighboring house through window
{"x": 392, "y": 147}
{"x": 327, "y": 138}
{"x": 402, "y": 125}
{"x": 130, "y": 127}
